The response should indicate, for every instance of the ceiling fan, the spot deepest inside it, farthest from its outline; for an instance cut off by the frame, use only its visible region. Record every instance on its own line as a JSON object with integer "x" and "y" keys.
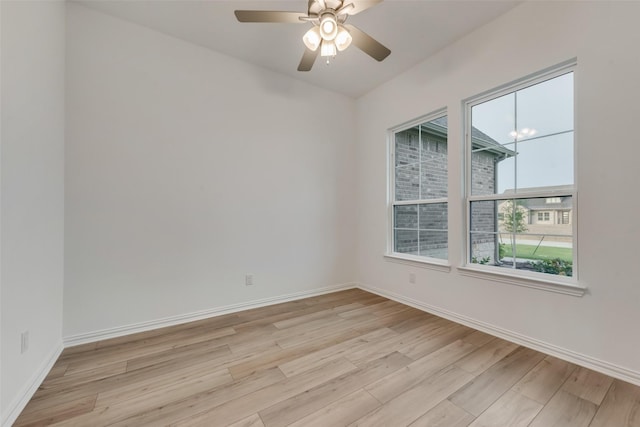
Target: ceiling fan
{"x": 329, "y": 33}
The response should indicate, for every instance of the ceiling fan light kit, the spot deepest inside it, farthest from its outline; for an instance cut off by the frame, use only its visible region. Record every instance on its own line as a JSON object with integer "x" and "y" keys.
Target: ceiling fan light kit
{"x": 328, "y": 48}
{"x": 312, "y": 39}
{"x": 343, "y": 39}
{"x": 329, "y": 34}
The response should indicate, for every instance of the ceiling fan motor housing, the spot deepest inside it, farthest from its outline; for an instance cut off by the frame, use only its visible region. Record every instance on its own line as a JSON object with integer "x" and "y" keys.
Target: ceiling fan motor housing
{"x": 315, "y": 7}
{"x": 328, "y": 25}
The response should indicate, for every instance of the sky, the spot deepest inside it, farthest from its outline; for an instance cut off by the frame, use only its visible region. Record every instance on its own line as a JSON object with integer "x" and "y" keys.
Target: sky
{"x": 542, "y": 115}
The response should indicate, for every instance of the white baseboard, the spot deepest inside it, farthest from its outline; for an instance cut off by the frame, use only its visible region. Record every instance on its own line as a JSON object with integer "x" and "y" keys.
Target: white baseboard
{"x": 90, "y": 337}
{"x": 18, "y": 404}
{"x": 601, "y": 366}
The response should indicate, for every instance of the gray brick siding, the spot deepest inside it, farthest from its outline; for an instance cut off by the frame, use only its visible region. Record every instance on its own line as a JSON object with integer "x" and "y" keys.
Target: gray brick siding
{"x": 421, "y": 173}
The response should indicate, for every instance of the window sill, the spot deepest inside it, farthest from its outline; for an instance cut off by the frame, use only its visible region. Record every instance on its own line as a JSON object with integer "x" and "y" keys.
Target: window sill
{"x": 558, "y": 286}
{"x": 415, "y": 261}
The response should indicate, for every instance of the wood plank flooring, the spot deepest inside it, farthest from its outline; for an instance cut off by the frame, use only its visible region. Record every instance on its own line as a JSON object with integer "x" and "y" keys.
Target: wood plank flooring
{"x": 349, "y": 358}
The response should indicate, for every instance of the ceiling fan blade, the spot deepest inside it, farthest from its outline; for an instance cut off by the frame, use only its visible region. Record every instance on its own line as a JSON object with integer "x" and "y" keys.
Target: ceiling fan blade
{"x": 270, "y": 16}
{"x": 308, "y": 58}
{"x": 367, "y": 44}
{"x": 345, "y": 9}
{"x": 360, "y": 5}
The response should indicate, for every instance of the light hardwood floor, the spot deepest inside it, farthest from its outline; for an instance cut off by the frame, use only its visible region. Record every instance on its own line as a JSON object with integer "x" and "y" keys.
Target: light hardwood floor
{"x": 347, "y": 358}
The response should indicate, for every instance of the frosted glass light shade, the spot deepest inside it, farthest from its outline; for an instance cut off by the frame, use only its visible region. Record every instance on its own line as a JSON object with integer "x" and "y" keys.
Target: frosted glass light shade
{"x": 312, "y": 39}
{"x": 343, "y": 39}
{"x": 328, "y": 48}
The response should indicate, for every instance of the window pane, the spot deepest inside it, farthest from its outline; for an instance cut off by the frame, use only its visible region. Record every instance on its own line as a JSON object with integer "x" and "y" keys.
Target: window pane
{"x": 515, "y": 217}
{"x": 533, "y": 236}
{"x": 492, "y": 124}
{"x": 505, "y": 174}
{"x": 405, "y": 229}
{"x": 434, "y": 244}
{"x": 508, "y": 143}
{"x": 421, "y": 161}
{"x": 407, "y": 182}
{"x": 421, "y": 174}
{"x": 407, "y": 164}
{"x": 421, "y": 230}
{"x": 406, "y": 217}
{"x": 506, "y": 249}
{"x": 484, "y": 216}
{"x": 493, "y": 121}
{"x": 529, "y": 230}
{"x": 433, "y": 156}
{"x": 483, "y": 248}
{"x": 483, "y": 237}
{"x": 544, "y": 216}
{"x": 406, "y": 241}
{"x": 545, "y": 108}
{"x": 433, "y": 216}
{"x": 544, "y": 253}
{"x": 545, "y": 162}
{"x": 407, "y": 146}
{"x": 433, "y": 230}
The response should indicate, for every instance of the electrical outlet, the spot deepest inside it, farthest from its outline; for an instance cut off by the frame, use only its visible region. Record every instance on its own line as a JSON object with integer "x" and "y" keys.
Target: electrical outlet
{"x": 24, "y": 342}
{"x": 412, "y": 278}
{"x": 248, "y": 279}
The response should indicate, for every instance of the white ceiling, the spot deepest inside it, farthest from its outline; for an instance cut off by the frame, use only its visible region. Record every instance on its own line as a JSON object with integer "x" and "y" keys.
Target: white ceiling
{"x": 412, "y": 29}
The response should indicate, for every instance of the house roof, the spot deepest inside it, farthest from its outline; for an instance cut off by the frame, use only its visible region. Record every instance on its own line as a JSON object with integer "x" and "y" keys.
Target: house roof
{"x": 542, "y": 205}
{"x": 479, "y": 139}
{"x": 560, "y": 192}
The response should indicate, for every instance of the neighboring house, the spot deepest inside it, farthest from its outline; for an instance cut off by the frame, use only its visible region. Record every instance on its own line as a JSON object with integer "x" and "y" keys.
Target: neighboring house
{"x": 432, "y": 167}
{"x": 550, "y": 218}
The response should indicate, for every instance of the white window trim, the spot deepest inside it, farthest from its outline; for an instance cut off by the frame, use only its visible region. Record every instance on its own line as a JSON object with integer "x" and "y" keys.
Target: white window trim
{"x": 418, "y": 261}
{"x": 398, "y": 257}
{"x": 528, "y": 279}
{"x": 548, "y": 282}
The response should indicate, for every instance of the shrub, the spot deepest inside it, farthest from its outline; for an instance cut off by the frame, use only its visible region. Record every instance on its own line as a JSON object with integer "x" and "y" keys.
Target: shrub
{"x": 484, "y": 260}
{"x": 502, "y": 251}
{"x": 554, "y": 266}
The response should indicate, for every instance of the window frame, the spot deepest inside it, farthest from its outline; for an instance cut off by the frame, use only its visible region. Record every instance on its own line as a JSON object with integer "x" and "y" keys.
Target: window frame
{"x": 560, "y": 284}
{"x": 390, "y": 253}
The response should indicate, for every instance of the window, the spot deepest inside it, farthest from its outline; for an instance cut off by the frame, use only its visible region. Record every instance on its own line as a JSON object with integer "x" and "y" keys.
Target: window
{"x": 543, "y": 216}
{"x": 419, "y": 189}
{"x": 520, "y": 169}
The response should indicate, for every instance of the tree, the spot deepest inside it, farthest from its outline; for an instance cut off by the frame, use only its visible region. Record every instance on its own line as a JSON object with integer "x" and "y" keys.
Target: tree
{"x": 515, "y": 217}
{"x": 514, "y": 220}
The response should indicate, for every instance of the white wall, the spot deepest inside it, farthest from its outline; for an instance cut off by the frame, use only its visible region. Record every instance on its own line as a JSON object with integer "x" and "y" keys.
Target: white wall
{"x": 604, "y": 36}
{"x": 186, "y": 169}
{"x": 32, "y": 85}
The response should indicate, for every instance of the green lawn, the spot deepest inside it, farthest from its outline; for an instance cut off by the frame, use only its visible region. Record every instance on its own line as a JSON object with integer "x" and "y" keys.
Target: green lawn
{"x": 543, "y": 252}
